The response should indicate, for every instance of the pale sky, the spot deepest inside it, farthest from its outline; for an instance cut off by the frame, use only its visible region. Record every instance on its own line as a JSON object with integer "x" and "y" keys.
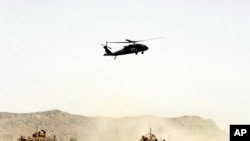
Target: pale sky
{"x": 51, "y": 58}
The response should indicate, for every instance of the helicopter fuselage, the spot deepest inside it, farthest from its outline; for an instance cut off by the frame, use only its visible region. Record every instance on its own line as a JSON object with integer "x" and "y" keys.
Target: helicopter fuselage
{"x": 131, "y": 48}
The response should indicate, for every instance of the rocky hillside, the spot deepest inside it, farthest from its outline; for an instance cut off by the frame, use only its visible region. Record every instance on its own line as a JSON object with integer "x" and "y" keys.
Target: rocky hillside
{"x": 65, "y": 126}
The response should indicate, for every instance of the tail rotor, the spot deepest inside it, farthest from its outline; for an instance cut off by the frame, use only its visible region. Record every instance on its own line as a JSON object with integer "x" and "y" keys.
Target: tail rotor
{"x": 106, "y": 45}
{"x": 107, "y": 49}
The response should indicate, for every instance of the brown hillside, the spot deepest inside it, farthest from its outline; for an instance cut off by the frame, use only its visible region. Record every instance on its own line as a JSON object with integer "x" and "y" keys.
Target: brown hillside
{"x": 65, "y": 126}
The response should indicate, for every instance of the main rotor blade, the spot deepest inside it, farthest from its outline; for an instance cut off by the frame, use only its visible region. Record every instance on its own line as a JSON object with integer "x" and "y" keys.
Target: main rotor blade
{"x": 143, "y": 40}
{"x": 118, "y": 42}
{"x": 132, "y": 41}
{"x": 129, "y": 40}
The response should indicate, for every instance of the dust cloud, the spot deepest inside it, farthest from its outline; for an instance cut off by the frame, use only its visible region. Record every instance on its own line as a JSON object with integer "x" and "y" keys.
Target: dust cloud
{"x": 133, "y": 128}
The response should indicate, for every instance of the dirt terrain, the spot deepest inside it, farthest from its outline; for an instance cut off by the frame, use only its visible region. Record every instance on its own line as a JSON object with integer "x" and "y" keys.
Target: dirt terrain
{"x": 84, "y": 128}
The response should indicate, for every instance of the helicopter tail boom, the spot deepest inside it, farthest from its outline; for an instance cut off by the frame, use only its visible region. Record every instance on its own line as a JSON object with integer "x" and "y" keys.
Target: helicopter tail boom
{"x": 108, "y": 52}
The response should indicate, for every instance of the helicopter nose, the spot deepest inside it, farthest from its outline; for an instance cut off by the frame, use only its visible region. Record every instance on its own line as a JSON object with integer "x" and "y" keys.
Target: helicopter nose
{"x": 146, "y": 48}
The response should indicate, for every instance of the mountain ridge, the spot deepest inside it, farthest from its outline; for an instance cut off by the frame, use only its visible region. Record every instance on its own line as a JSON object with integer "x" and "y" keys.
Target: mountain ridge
{"x": 85, "y": 128}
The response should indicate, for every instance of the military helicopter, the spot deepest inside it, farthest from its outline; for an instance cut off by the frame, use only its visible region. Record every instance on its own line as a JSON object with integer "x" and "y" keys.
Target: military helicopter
{"x": 133, "y": 47}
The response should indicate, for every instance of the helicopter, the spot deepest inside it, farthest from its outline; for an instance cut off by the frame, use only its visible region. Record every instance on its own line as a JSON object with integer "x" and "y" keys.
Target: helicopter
{"x": 132, "y": 47}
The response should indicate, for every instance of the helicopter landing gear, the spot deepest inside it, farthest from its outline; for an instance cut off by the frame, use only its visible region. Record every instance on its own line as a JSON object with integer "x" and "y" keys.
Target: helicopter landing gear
{"x": 142, "y": 52}
{"x": 115, "y": 58}
{"x": 136, "y": 53}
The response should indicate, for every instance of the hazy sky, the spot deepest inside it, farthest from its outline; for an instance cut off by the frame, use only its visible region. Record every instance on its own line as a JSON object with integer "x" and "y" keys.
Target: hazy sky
{"x": 51, "y": 58}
